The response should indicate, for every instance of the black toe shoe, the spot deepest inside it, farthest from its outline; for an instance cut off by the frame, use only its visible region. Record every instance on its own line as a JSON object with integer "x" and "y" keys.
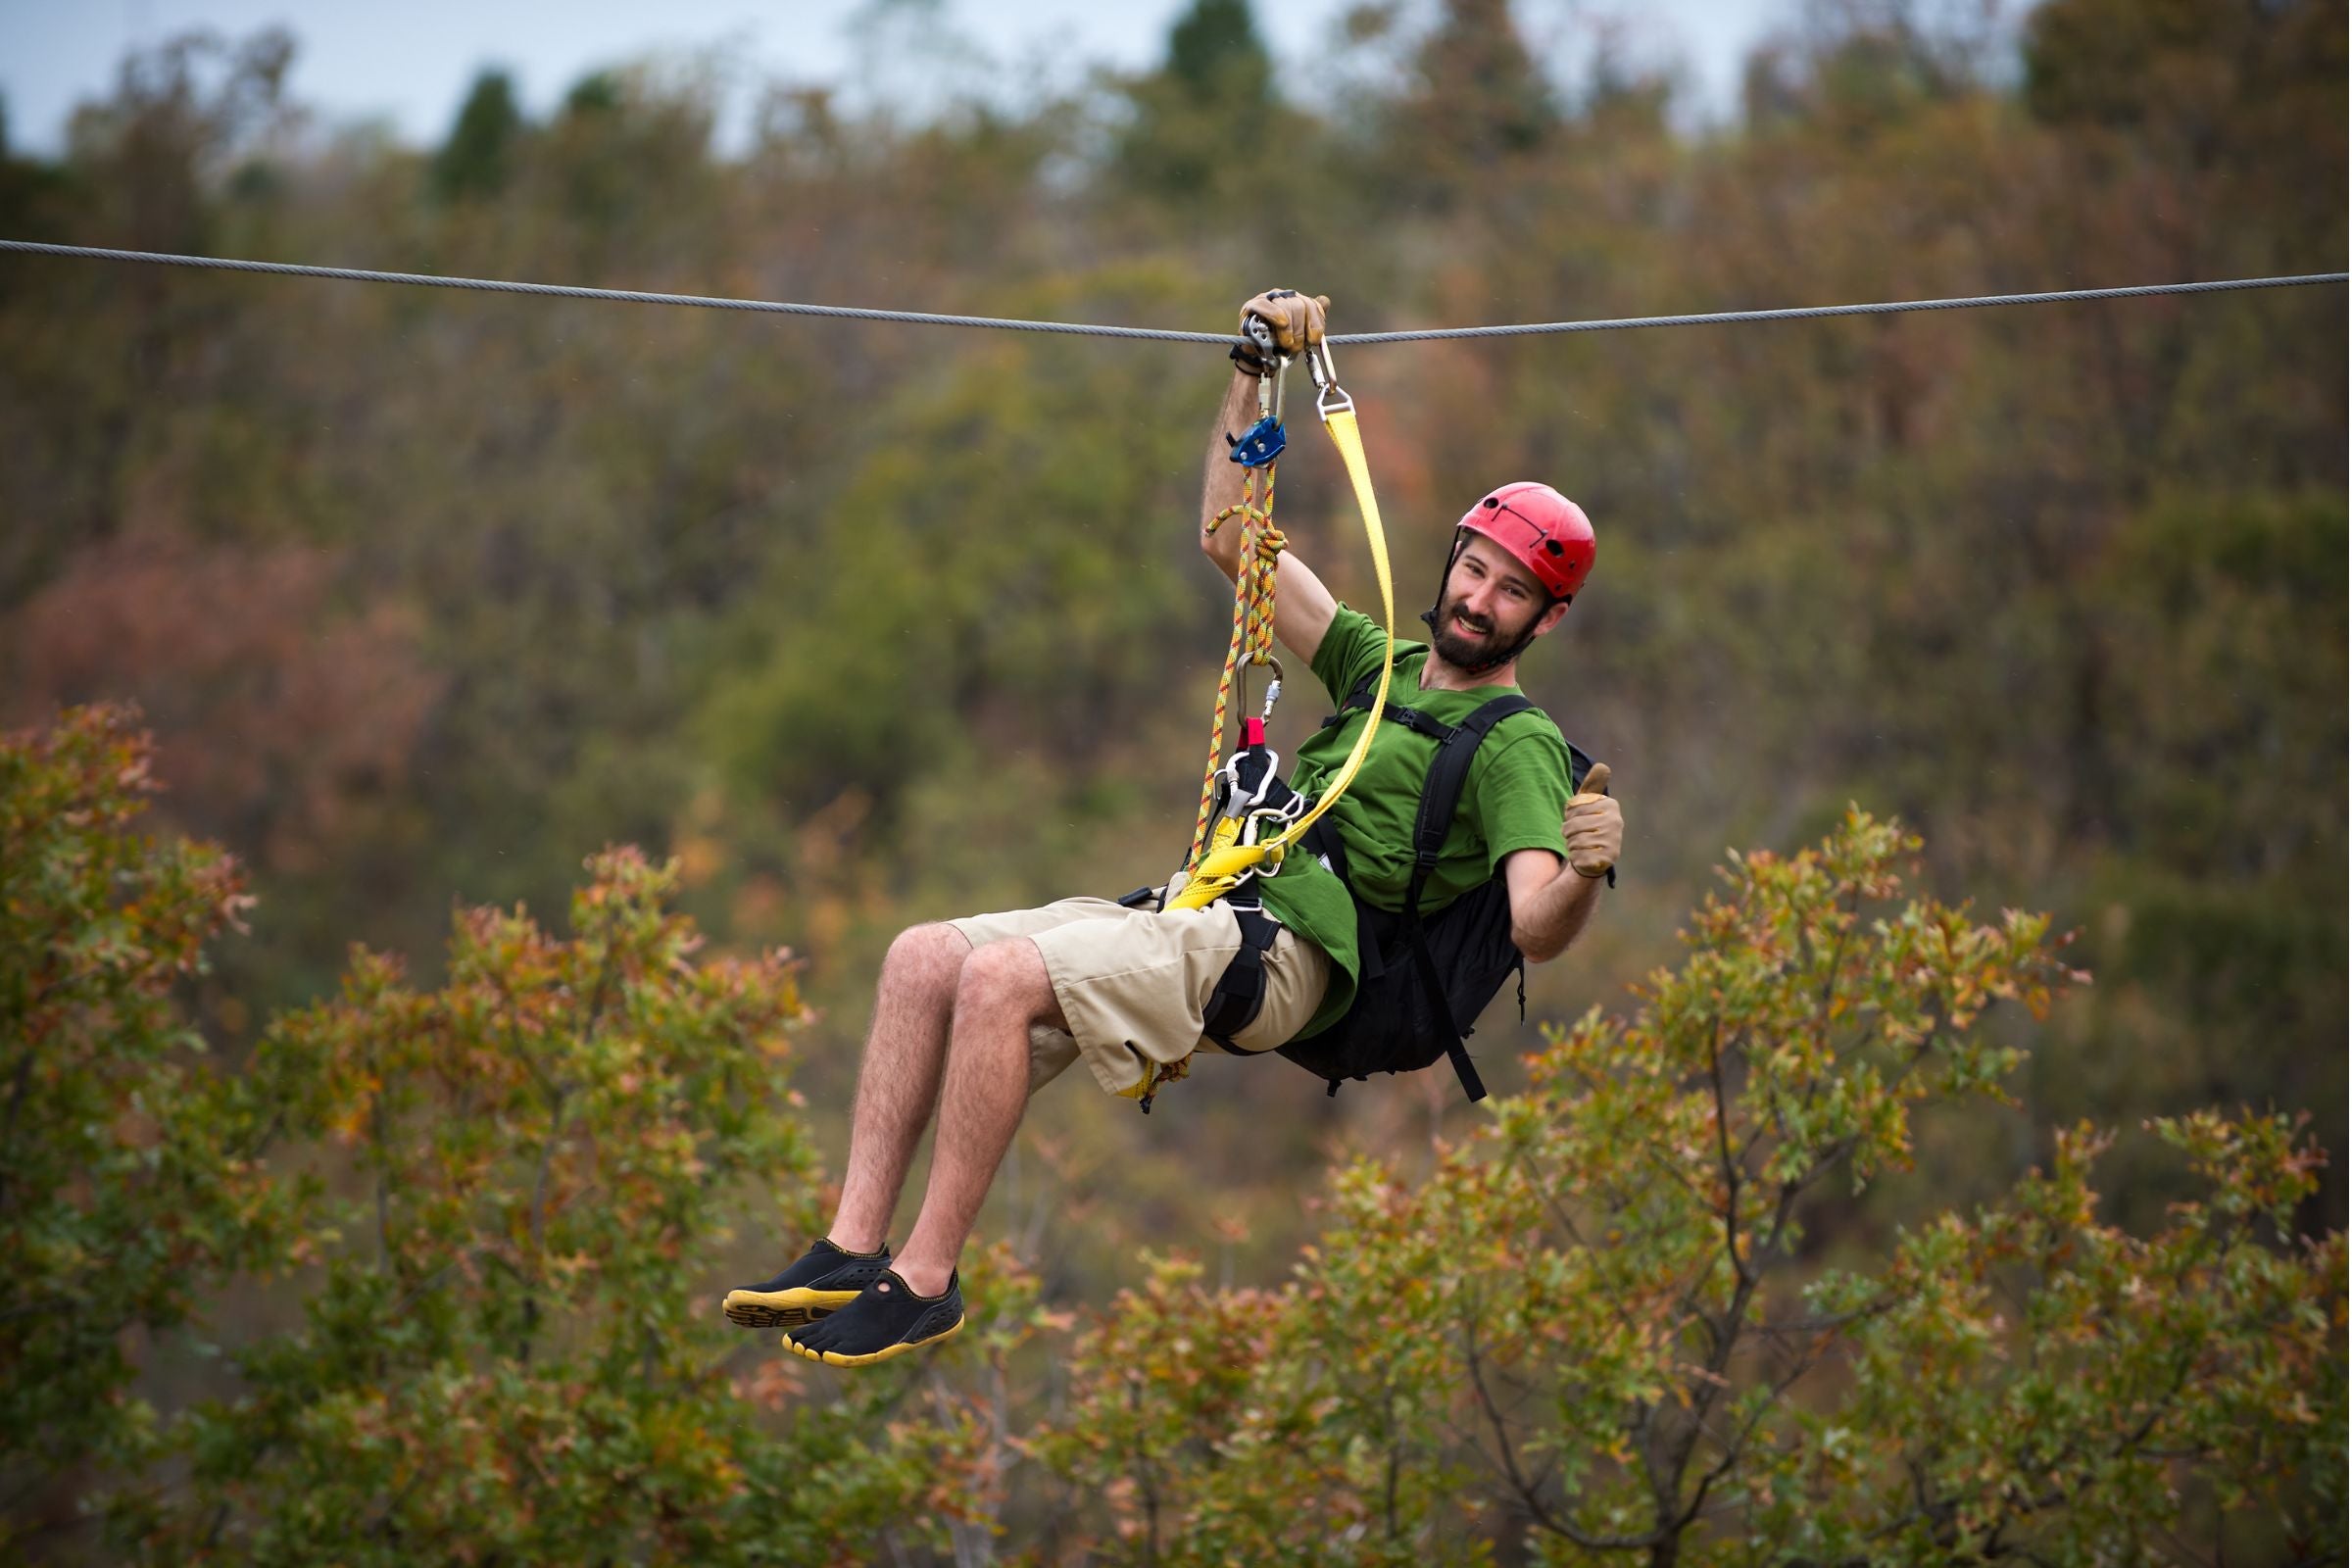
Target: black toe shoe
{"x": 824, "y": 1280}
{"x": 887, "y": 1319}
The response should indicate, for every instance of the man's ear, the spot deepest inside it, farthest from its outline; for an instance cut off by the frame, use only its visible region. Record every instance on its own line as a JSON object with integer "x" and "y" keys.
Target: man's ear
{"x": 1551, "y": 616}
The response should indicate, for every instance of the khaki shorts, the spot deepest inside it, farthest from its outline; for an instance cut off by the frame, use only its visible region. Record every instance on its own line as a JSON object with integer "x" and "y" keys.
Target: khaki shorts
{"x": 1134, "y": 984}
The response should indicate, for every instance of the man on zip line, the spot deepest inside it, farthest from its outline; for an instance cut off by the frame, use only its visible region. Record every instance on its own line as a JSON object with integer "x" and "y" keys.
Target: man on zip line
{"x": 972, "y": 1017}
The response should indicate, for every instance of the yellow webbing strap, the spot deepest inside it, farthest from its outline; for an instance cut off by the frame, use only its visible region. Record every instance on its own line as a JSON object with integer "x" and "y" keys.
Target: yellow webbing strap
{"x": 1222, "y": 870}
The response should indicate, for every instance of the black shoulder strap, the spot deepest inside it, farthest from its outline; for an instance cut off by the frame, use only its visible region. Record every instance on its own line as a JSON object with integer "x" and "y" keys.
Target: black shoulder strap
{"x": 1442, "y": 790}
{"x": 1441, "y": 793}
{"x": 1578, "y": 765}
{"x": 1359, "y": 695}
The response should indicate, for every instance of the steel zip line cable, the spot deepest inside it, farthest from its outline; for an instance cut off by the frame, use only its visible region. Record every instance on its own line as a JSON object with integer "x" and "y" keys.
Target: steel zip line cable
{"x": 711, "y": 302}
{"x": 1802, "y": 313}
{"x": 622, "y": 296}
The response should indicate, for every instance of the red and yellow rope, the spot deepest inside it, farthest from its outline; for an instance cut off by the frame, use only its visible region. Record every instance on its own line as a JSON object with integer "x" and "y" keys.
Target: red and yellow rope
{"x": 1253, "y": 638}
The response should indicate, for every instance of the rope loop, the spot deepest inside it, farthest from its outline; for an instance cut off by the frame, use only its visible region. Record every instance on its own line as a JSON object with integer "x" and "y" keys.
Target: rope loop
{"x": 1251, "y": 641}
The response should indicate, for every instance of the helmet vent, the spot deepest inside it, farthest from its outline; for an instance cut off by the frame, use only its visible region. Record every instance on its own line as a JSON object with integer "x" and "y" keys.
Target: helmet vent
{"x": 1492, "y": 501}
{"x": 1553, "y": 544}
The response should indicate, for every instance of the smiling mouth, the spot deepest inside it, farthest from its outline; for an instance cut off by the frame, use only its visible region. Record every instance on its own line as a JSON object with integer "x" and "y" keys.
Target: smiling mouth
{"x": 1471, "y": 626}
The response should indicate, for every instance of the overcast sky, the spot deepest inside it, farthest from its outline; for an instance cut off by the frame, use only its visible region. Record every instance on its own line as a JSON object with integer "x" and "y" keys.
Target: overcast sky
{"x": 411, "y": 63}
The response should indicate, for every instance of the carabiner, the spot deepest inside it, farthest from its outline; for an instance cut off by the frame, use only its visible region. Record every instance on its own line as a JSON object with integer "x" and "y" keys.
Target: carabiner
{"x": 1269, "y": 384}
{"x": 1329, "y": 397}
{"x": 1273, "y": 688}
{"x": 1240, "y": 800}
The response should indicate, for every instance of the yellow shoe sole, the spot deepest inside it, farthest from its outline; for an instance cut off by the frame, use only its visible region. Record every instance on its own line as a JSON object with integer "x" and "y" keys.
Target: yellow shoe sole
{"x": 784, "y": 1309}
{"x": 836, "y": 1358}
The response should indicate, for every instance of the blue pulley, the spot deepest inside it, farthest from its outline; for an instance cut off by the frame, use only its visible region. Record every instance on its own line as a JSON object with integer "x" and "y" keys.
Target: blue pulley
{"x": 1261, "y": 444}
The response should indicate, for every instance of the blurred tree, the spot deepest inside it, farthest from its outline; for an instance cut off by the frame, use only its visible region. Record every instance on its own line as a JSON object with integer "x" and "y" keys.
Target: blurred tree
{"x": 1214, "y": 51}
{"x": 181, "y": 113}
{"x": 30, "y": 192}
{"x": 1000, "y": 573}
{"x": 498, "y": 1350}
{"x": 1477, "y": 98}
{"x": 477, "y": 158}
{"x": 1201, "y": 122}
{"x": 285, "y": 727}
{"x": 597, "y": 93}
{"x": 2137, "y": 64}
{"x": 290, "y": 727}
{"x": 626, "y": 162}
{"x": 131, "y": 1178}
{"x": 2237, "y": 100}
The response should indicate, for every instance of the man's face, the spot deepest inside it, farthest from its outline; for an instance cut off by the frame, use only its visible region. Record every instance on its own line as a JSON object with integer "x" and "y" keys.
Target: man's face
{"x": 1489, "y": 603}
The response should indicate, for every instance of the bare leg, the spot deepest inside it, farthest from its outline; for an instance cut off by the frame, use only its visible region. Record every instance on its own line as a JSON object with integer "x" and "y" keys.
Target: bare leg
{"x": 1003, "y": 991}
{"x": 898, "y": 1087}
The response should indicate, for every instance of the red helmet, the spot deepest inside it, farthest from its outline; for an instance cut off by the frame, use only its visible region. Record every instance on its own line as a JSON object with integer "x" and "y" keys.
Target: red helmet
{"x": 1544, "y": 531}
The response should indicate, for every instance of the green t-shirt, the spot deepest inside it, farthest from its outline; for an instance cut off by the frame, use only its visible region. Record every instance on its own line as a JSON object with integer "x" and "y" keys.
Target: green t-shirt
{"x": 1513, "y": 800}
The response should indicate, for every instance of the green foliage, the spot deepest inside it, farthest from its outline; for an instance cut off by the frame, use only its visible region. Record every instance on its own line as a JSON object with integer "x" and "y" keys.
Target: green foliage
{"x": 1597, "y": 1326}
{"x": 628, "y": 151}
{"x": 2054, "y": 1386}
{"x": 1195, "y": 120}
{"x": 501, "y": 1354}
{"x": 181, "y": 113}
{"x": 1214, "y": 52}
{"x": 476, "y": 159}
{"x": 1595, "y": 1321}
{"x": 2119, "y": 63}
{"x": 131, "y": 1183}
{"x": 424, "y": 593}
{"x": 992, "y": 569}
{"x": 1476, "y": 96}
{"x": 497, "y": 1197}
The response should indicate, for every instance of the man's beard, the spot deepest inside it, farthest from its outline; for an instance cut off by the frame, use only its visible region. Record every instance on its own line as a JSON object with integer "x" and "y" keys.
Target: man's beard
{"x": 1474, "y": 650}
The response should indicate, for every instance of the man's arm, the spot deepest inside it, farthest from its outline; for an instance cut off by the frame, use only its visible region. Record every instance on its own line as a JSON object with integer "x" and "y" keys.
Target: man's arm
{"x": 1302, "y": 606}
{"x": 1552, "y": 895}
{"x": 1549, "y": 902}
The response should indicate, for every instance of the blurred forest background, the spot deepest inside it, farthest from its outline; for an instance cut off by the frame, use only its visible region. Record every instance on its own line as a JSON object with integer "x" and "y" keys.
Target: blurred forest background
{"x": 427, "y": 595}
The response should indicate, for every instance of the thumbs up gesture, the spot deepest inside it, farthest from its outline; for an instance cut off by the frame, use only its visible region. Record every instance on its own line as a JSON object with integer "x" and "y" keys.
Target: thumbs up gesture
{"x": 1593, "y": 826}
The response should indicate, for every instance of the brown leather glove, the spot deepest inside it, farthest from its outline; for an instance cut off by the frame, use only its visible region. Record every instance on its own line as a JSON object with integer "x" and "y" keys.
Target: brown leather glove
{"x": 1594, "y": 825}
{"x": 1297, "y": 319}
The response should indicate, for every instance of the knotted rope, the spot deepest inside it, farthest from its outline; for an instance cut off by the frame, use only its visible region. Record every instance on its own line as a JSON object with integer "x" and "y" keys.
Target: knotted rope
{"x": 1253, "y": 639}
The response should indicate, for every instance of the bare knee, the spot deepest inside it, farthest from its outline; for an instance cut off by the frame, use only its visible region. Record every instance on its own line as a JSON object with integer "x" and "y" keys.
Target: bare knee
{"x": 1009, "y": 978}
{"x": 925, "y": 963}
{"x": 926, "y": 959}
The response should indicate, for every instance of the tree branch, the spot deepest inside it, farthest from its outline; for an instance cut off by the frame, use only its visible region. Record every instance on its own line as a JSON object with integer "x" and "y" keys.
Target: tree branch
{"x": 1507, "y": 1448}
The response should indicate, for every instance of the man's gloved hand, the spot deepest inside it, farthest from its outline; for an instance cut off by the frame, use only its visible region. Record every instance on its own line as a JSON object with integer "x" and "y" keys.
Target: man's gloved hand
{"x": 1297, "y": 319}
{"x": 1594, "y": 825}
